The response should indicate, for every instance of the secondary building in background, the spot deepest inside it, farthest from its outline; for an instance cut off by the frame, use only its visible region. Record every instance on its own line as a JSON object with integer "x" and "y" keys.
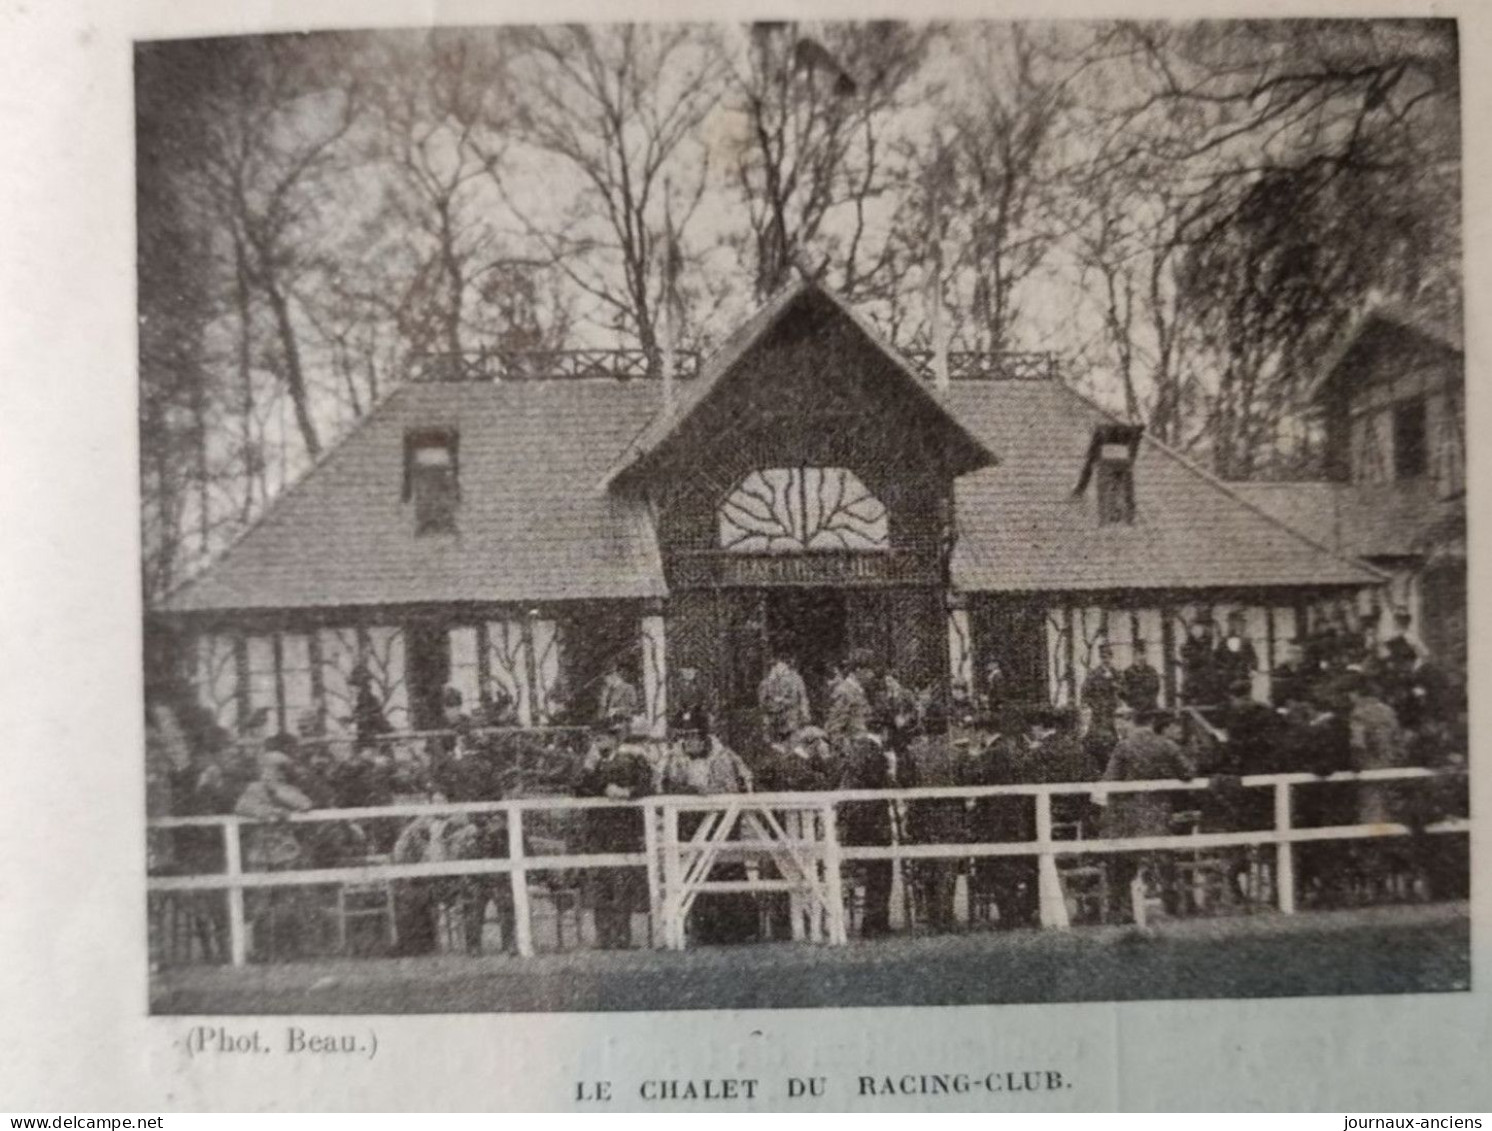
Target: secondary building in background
{"x": 1392, "y": 404}
{"x": 807, "y": 490}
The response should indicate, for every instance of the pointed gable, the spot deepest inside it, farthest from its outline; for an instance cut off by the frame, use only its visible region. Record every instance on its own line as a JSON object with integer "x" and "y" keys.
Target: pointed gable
{"x": 853, "y": 355}
{"x": 1385, "y": 328}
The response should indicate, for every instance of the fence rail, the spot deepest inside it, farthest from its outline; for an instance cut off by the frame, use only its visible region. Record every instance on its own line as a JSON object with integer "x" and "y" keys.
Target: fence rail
{"x": 987, "y": 365}
{"x": 671, "y": 859}
{"x": 624, "y": 364}
{"x": 530, "y": 365}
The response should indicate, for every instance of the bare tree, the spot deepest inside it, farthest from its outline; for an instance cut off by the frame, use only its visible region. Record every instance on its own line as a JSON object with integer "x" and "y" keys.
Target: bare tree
{"x": 178, "y": 391}
{"x": 276, "y": 119}
{"x": 1129, "y": 248}
{"x": 441, "y": 126}
{"x": 1310, "y": 164}
{"x": 816, "y": 101}
{"x": 1005, "y": 139}
{"x": 621, "y": 109}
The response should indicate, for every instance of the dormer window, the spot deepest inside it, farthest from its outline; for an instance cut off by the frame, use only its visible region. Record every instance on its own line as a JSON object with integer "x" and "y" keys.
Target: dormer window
{"x": 431, "y": 480}
{"x": 1111, "y": 467}
{"x": 1115, "y": 486}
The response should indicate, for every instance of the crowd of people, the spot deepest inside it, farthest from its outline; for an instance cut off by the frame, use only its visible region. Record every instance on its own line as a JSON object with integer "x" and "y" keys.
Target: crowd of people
{"x": 1340, "y": 700}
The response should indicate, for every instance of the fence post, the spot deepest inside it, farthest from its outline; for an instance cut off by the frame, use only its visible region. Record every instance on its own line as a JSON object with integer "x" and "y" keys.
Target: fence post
{"x": 802, "y": 911}
{"x": 238, "y": 942}
{"x": 673, "y": 921}
{"x": 523, "y": 936}
{"x": 1052, "y": 904}
{"x": 650, "y": 816}
{"x": 838, "y": 935}
{"x": 901, "y": 912}
{"x": 1284, "y": 866}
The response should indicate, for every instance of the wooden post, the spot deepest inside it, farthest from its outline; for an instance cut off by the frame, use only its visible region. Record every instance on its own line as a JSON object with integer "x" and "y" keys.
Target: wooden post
{"x": 238, "y": 943}
{"x": 960, "y": 644}
{"x": 1170, "y": 694}
{"x": 1048, "y": 884}
{"x": 277, "y": 650}
{"x": 800, "y": 899}
{"x": 1284, "y": 871}
{"x": 838, "y": 935}
{"x": 523, "y": 935}
{"x": 242, "y": 709}
{"x": 655, "y": 671}
{"x": 901, "y": 914}
{"x": 528, "y": 655}
{"x": 650, "y": 817}
{"x": 1070, "y": 632}
{"x": 673, "y": 920}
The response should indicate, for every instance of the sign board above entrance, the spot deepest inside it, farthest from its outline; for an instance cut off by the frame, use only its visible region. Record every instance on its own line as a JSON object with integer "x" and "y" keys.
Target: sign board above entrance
{"x": 726, "y": 569}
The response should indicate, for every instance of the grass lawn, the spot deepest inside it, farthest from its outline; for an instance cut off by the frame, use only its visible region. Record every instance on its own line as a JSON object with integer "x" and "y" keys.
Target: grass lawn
{"x": 1413, "y": 949}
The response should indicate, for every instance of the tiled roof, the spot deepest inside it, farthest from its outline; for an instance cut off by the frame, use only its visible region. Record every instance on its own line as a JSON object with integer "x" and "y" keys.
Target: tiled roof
{"x": 537, "y": 523}
{"x": 1022, "y": 528}
{"x": 533, "y": 524}
{"x": 1365, "y": 520}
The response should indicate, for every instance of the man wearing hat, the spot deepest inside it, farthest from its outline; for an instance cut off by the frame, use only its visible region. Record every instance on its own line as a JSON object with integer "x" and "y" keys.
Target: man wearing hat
{"x": 618, "y": 772}
{"x": 1199, "y": 679}
{"x": 462, "y": 769}
{"x": 1404, "y": 650}
{"x": 1102, "y": 692}
{"x": 932, "y": 761}
{"x": 793, "y": 764}
{"x": 849, "y": 711}
{"x": 783, "y": 699}
{"x": 1140, "y": 755}
{"x": 1289, "y": 682}
{"x": 368, "y": 719}
{"x": 619, "y": 700}
{"x": 271, "y": 797}
{"x": 1236, "y": 659}
{"x": 1141, "y": 682}
{"x": 1006, "y": 882}
{"x": 270, "y": 846}
{"x": 871, "y": 765}
{"x": 688, "y": 691}
{"x": 1377, "y": 743}
{"x": 812, "y": 742}
{"x": 700, "y": 763}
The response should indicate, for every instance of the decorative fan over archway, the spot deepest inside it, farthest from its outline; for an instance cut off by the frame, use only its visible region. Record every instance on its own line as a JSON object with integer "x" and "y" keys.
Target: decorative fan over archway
{"x": 785, "y": 510}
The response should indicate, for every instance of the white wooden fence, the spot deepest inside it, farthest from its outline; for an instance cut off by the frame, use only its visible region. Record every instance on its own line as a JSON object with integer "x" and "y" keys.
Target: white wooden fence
{"x": 808, "y": 864}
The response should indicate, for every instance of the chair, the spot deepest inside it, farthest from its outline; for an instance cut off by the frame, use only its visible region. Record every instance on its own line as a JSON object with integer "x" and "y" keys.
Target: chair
{"x": 1257, "y": 879}
{"x": 364, "y": 902}
{"x": 564, "y": 895}
{"x": 852, "y": 886}
{"x": 1085, "y": 881}
{"x": 981, "y": 897}
{"x": 1200, "y": 879}
{"x": 561, "y": 888}
{"x": 188, "y": 927}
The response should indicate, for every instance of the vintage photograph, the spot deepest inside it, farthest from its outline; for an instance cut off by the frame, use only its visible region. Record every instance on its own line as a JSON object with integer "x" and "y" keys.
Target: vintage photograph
{"x": 678, "y": 516}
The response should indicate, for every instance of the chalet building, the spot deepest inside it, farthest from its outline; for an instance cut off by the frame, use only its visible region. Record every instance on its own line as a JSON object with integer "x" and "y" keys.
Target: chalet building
{"x": 1391, "y": 400}
{"x": 806, "y": 488}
